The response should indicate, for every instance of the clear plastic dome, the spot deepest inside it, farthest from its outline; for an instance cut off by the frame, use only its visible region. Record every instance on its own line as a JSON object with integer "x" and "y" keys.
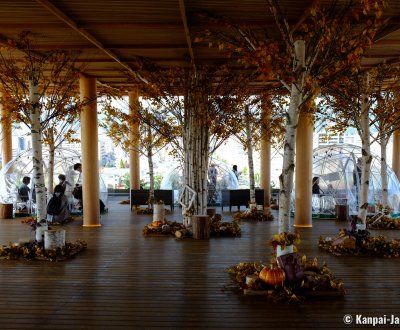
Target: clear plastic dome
{"x": 220, "y": 178}
{"x": 334, "y": 166}
{"x": 12, "y": 173}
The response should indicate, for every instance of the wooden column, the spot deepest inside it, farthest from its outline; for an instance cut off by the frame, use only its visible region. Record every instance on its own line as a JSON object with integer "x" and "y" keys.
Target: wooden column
{"x": 90, "y": 155}
{"x": 265, "y": 152}
{"x": 303, "y": 168}
{"x": 6, "y": 138}
{"x": 396, "y": 153}
{"x": 134, "y": 156}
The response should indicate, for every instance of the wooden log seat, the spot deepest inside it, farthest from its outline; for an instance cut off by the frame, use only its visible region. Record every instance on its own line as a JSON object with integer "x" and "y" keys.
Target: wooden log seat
{"x": 201, "y": 226}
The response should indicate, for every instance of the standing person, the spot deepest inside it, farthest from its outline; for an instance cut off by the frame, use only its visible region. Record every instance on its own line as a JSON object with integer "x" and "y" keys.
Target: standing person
{"x": 357, "y": 173}
{"x": 212, "y": 183}
{"x": 316, "y": 195}
{"x": 235, "y": 171}
{"x": 57, "y": 208}
{"x": 78, "y": 168}
{"x": 357, "y": 178}
{"x": 316, "y": 190}
{"x": 78, "y": 193}
{"x": 212, "y": 174}
{"x": 24, "y": 190}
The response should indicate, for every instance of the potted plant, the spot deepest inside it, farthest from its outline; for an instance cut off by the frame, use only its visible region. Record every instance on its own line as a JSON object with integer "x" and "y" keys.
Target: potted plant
{"x": 284, "y": 243}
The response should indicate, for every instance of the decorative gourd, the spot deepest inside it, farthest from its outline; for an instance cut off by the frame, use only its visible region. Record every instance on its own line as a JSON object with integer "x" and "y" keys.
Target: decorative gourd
{"x": 157, "y": 223}
{"x": 272, "y": 276}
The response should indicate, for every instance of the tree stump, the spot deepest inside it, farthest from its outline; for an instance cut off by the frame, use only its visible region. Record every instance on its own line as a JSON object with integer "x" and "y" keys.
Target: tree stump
{"x": 342, "y": 212}
{"x": 201, "y": 226}
{"x": 211, "y": 211}
{"x": 54, "y": 238}
{"x": 6, "y": 211}
{"x": 158, "y": 212}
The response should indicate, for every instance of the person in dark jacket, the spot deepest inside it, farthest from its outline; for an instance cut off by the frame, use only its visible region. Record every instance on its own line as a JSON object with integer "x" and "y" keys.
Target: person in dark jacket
{"x": 24, "y": 189}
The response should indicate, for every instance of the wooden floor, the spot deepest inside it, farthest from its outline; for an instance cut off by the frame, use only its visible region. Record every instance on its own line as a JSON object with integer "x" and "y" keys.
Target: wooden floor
{"x": 127, "y": 281}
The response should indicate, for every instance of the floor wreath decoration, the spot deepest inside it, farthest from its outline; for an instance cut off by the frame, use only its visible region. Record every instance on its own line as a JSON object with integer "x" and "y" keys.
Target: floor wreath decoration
{"x": 317, "y": 280}
{"x": 290, "y": 278}
{"x": 254, "y": 214}
{"x": 36, "y": 251}
{"x": 360, "y": 242}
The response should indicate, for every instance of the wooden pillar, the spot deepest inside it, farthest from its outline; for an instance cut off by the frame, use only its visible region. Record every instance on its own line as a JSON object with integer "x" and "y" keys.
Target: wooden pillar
{"x": 90, "y": 154}
{"x": 6, "y": 138}
{"x": 134, "y": 156}
{"x": 265, "y": 152}
{"x": 396, "y": 153}
{"x": 303, "y": 168}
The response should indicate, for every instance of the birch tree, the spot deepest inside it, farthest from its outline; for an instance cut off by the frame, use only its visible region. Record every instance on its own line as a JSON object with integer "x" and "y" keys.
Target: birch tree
{"x": 328, "y": 39}
{"x": 386, "y": 116}
{"x": 365, "y": 100}
{"x": 54, "y": 134}
{"x": 203, "y": 102}
{"x": 155, "y": 132}
{"x": 348, "y": 103}
{"x": 37, "y": 91}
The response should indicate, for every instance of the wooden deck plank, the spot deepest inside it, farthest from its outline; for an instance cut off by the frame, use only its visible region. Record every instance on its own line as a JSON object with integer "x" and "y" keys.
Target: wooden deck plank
{"x": 125, "y": 281}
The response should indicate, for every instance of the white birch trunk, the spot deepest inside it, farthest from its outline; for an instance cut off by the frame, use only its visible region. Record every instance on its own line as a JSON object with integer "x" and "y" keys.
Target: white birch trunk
{"x": 366, "y": 159}
{"x": 50, "y": 174}
{"x": 286, "y": 177}
{"x": 37, "y": 157}
{"x": 196, "y": 144}
{"x": 151, "y": 166}
{"x": 249, "y": 146}
{"x": 187, "y": 148}
{"x": 384, "y": 177}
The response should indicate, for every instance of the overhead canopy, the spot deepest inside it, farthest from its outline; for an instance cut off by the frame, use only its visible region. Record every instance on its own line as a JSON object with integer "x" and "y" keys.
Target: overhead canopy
{"x": 111, "y": 33}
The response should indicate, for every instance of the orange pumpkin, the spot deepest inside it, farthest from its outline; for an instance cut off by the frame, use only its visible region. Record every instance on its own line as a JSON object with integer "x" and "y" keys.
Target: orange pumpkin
{"x": 157, "y": 223}
{"x": 272, "y": 276}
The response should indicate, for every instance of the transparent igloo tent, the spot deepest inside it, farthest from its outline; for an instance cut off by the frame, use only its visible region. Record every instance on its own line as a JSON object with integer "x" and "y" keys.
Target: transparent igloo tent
{"x": 220, "y": 179}
{"x": 334, "y": 166}
{"x": 12, "y": 173}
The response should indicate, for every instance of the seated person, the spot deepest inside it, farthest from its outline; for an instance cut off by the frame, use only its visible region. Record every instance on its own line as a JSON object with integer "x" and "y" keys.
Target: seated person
{"x": 57, "y": 207}
{"x": 24, "y": 190}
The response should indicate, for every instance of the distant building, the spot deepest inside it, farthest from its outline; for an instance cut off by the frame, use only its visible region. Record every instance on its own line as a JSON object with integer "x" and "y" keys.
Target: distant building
{"x": 324, "y": 139}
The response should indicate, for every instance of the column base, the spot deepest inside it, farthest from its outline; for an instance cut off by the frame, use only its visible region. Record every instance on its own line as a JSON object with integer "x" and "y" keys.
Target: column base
{"x": 303, "y": 226}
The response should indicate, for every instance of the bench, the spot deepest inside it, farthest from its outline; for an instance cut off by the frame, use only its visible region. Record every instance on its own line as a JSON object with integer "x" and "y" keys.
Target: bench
{"x": 140, "y": 197}
{"x": 240, "y": 197}
{"x": 117, "y": 192}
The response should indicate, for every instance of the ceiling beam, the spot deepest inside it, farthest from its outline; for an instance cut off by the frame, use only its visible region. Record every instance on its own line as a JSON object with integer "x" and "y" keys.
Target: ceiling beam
{"x": 391, "y": 25}
{"x": 124, "y": 25}
{"x": 390, "y": 42}
{"x": 186, "y": 28}
{"x": 111, "y": 46}
{"x": 58, "y": 13}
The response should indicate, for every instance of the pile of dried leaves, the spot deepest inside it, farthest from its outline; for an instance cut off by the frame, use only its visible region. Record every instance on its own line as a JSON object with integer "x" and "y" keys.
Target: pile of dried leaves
{"x": 217, "y": 228}
{"x": 226, "y": 229}
{"x": 318, "y": 281}
{"x": 377, "y": 246}
{"x": 35, "y": 251}
{"x": 254, "y": 215}
{"x": 383, "y": 221}
{"x": 170, "y": 229}
{"x": 146, "y": 210}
